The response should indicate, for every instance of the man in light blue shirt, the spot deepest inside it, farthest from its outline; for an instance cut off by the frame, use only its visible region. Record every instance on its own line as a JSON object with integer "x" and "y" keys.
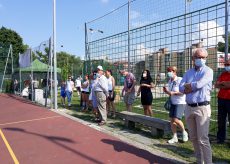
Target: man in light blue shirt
{"x": 197, "y": 85}
{"x": 101, "y": 93}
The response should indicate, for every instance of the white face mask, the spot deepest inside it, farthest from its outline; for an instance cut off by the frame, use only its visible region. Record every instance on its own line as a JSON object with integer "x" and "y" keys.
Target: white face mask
{"x": 144, "y": 74}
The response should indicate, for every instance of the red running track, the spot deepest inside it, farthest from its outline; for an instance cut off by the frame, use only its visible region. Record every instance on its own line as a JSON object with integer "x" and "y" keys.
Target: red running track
{"x": 39, "y": 136}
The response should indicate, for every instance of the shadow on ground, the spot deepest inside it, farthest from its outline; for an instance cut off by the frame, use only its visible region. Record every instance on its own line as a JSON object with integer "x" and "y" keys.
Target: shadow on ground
{"x": 58, "y": 141}
{"x": 121, "y": 146}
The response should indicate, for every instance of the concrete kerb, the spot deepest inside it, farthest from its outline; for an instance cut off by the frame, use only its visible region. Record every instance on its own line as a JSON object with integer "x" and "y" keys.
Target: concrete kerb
{"x": 67, "y": 113}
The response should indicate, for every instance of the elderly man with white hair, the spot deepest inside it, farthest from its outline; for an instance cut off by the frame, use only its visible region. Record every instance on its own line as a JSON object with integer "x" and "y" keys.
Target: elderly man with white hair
{"x": 101, "y": 92}
{"x": 197, "y": 85}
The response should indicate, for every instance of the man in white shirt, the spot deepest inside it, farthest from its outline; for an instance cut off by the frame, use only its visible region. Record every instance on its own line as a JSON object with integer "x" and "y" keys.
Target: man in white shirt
{"x": 101, "y": 92}
{"x": 69, "y": 90}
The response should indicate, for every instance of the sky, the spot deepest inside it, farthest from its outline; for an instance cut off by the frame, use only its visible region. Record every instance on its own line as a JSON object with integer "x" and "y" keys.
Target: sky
{"x": 33, "y": 20}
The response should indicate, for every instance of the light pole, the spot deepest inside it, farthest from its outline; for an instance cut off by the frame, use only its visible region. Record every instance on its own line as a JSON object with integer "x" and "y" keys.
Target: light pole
{"x": 54, "y": 52}
{"x": 128, "y": 35}
{"x": 187, "y": 2}
{"x": 88, "y": 47}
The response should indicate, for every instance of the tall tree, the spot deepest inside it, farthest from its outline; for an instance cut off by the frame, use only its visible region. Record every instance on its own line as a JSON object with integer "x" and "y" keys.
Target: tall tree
{"x": 42, "y": 56}
{"x": 221, "y": 45}
{"x": 70, "y": 64}
{"x": 7, "y": 37}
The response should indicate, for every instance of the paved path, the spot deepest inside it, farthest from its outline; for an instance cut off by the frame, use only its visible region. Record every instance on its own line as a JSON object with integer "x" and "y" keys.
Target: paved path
{"x": 32, "y": 134}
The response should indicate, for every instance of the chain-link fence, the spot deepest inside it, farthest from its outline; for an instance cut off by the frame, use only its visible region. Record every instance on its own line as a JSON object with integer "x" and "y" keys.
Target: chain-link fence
{"x": 7, "y": 66}
{"x": 31, "y": 80}
{"x": 153, "y": 35}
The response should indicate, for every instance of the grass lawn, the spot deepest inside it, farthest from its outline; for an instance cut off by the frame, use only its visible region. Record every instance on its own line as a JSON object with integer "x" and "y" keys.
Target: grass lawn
{"x": 182, "y": 150}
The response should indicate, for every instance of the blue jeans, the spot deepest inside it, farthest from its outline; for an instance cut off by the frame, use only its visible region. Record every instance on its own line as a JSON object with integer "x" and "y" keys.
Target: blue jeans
{"x": 69, "y": 96}
{"x": 223, "y": 112}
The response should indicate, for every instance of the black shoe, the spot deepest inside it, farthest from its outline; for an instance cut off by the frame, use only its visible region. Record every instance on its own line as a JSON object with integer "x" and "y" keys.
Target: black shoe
{"x": 97, "y": 120}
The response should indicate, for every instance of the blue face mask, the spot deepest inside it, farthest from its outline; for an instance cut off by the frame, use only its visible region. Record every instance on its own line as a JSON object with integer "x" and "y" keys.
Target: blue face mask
{"x": 200, "y": 62}
{"x": 170, "y": 74}
{"x": 227, "y": 68}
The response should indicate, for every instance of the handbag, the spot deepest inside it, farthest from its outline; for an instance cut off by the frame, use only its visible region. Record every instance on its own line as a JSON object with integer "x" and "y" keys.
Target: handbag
{"x": 168, "y": 104}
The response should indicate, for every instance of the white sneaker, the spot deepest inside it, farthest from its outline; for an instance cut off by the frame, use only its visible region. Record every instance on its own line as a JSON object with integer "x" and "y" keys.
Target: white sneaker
{"x": 185, "y": 136}
{"x": 173, "y": 140}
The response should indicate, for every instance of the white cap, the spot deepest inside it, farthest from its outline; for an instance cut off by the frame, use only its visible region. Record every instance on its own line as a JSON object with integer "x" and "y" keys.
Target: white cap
{"x": 100, "y": 67}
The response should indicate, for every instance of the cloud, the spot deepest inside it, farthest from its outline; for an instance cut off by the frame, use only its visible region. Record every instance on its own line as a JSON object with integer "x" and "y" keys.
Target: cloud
{"x": 139, "y": 24}
{"x": 101, "y": 57}
{"x": 141, "y": 51}
{"x": 134, "y": 14}
{"x": 137, "y": 53}
{"x": 104, "y": 1}
{"x": 139, "y": 20}
{"x": 210, "y": 32}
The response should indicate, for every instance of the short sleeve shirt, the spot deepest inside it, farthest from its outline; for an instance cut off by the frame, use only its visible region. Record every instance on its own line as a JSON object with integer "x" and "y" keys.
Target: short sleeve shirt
{"x": 174, "y": 86}
{"x": 69, "y": 86}
{"x": 129, "y": 80}
{"x": 87, "y": 88}
{"x": 145, "y": 90}
{"x": 224, "y": 93}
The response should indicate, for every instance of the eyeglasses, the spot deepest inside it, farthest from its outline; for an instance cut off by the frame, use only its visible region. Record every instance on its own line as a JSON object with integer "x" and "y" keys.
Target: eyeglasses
{"x": 226, "y": 64}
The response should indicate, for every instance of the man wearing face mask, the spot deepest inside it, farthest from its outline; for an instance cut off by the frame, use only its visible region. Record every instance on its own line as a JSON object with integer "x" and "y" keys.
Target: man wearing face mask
{"x": 197, "y": 85}
{"x": 101, "y": 92}
{"x": 223, "y": 83}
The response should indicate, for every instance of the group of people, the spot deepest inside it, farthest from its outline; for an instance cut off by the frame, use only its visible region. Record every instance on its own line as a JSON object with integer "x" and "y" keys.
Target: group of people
{"x": 190, "y": 96}
{"x": 97, "y": 89}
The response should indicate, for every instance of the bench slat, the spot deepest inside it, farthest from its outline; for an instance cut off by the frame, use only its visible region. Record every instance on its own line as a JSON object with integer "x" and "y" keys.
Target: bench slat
{"x": 155, "y": 123}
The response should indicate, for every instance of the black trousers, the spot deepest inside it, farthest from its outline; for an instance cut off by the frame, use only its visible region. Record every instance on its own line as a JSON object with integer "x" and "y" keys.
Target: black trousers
{"x": 223, "y": 112}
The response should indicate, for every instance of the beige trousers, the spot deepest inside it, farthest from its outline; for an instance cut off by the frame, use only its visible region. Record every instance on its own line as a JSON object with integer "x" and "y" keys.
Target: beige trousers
{"x": 101, "y": 103}
{"x": 198, "y": 119}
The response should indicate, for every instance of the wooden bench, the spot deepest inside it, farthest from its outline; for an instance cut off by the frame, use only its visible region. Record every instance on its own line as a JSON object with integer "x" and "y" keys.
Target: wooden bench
{"x": 158, "y": 126}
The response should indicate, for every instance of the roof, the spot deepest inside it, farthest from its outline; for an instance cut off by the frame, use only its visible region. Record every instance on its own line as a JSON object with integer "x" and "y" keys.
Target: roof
{"x": 38, "y": 66}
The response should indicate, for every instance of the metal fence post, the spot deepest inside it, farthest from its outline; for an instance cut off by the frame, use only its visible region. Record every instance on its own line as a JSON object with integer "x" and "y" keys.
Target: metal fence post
{"x": 129, "y": 35}
{"x": 226, "y": 30}
{"x": 86, "y": 48}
